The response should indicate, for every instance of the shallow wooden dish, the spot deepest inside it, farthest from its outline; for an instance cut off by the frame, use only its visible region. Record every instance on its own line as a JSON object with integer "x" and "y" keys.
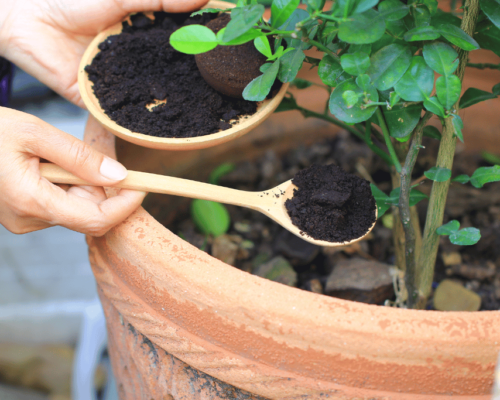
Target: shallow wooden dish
{"x": 244, "y": 124}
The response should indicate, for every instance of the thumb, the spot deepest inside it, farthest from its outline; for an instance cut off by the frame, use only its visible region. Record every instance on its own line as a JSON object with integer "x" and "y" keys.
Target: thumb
{"x": 74, "y": 155}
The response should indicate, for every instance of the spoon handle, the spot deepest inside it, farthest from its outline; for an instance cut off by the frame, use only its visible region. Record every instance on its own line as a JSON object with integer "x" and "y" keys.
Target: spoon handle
{"x": 162, "y": 184}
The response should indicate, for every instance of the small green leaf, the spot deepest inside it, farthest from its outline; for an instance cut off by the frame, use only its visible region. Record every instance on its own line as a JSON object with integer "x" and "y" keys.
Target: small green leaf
{"x": 448, "y": 88}
{"x": 433, "y": 105}
{"x": 432, "y": 132}
{"x": 421, "y": 16}
{"x": 490, "y": 157}
{"x": 393, "y": 10}
{"x": 415, "y": 196}
{"x": 315, "y": 4}
{"x": 356, "y": 48}
{"x": 288, "y": 103}
{"x": 458, "y": 37}
{"x": 438, "y": 174}
{"x": 393, "y": 99}
{"x": 219, "y": 172}
{"x": 262, "y": 45}
{"x": 281, "y": 10}
{"x": 488, "y": 37}
{"x": 259, "y": 88}
{"x": 350, "y": 98}
{"x": 422, "y": 33}
{"x": 380, "y": 199}
{"x": 290, "y": 64}
{"x": 264, "y": 67}
{"x": 331, "y": 72}
{"x": 388, "y": 65}
{"x": 432, "y": 5}
{"x": 248, "y": 36}
{"x": 242, "y": 20}
{"x": 492, "y": 10}
{"x": 485, "y": 175}
{"x": 473, "y": 96}
{"x": 193, "y": 39}
{"x": 465, "y": 237}
{"x": 210, "y": 10}
{"x": 355, "y": 113}
{"x": 458, "y": 125}
{"x": 464, "y": 178}
{"x": 402, "y": 120}
{"x": 417, "y": 82}
{"x": 301, "y": 83}
{"x": 211, "y": 218}
{"x": 441, "y": 57}
{"x": 449, "y": 228}
{"x": 355, "y": 63}
{"x": 363, "y": 81}
{"x": 363, "y": 28}
{"x": 363, "y": 5}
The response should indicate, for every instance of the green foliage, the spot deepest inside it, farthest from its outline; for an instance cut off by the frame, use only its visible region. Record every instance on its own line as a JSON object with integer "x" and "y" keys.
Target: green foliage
{"x": 492, "y": 9}
{"x": 485, "y": 175}
{"x": 259, "y": 88}
{"x": 380, "y": 199}
{"x": 465, "y": 237}
{"x": 193, "y": 39}
{"x": 490, "y": 157}
{"x": 438, "y": 174}
{"x": 448, "y": 228}
{"x": 432, "y": 132}
{"x": 355, "y": 63}
{"x": 352, "y": 113}
{"x": 416, "y": 196}
{"x": 463, "y": 179}
{"x": 242, "y": 19}
{"x": 219, "y": 172}
{"x": 417, "y": 83}
{"x": 281, "y": 10}
{"x": 473, "y": 96}
{"x": 210, "y": 218}
{"x": 388, "y": 65}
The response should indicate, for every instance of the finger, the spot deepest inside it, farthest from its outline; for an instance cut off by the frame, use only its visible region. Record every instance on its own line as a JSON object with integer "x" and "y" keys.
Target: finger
{"x": 173, "y": 6}
{"x": 92, "y": 193}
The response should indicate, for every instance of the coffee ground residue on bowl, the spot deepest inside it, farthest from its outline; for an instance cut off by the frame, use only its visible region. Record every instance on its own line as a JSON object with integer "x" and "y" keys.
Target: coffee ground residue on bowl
{"x": 138, "y": 66}
{"x": 331, "y": 204}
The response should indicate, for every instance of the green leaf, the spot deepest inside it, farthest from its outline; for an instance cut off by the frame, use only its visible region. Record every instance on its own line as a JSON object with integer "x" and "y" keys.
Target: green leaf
{"x": 243, "y": 20}
{"x": 422, "y": 33}
{"x": 297, "y": 16}
{"x": 442, "y": 17}
{"x": 210, "y": 10}
{"x": 458, "y": 37}
{"x": 363, "y": 5}
{"x": 264, "y": 67}
{"x": 441, "y": 57}
{"x": 290, "y": 64}
{"x": 496, "y": 89}
{"x": 432, "y": 5}
{"x": 438, "y": 174}
{"x": 314, "y": 4}
{"x": 262, "y": 45}
{"x": 465, "y": 237}
{"x": 393, "y": 10}
{"x": 488, "y": 37}
{"x": 393, "y": 99}
{"x": 350, "y": 98}
{"x": 363, "y": 81}
{"x": 449, "y": 228}
{"x": 432, "y": 132}
{"x": 380, "y": 199}
{"x": 458, "y": 125}
{"x": 417, "y": 82}
{"x": 402, "y": 120}
{"x": 210, "y": 218}
{"x": 363, "y": 28}
{"x": 356, "y": 63}
{"x": 281, "y": 10}
{"x": 288, "y": 103}
{"x": 485, "y": 175}
{"x": 388, "y": 65}
{"x": 433, "y": 105}
{"x": 354, "y": 114}
{"x": 492, "y": 10}
{"x": 415, "y": 197}
{"x": 490, "y": 157}
{"x": 473, "y": 96}
{"x": 356, "y": 48}
{"x": 421, "y": 16}
{"x": 300, "y": 83}
{"x": 248, "y": 36}
{"x": 330, "y": 71}
{"x": 259, "y": 88}
{"x": 219, "y": 172}
{"x": 464, "y": 178}
{"x": 193, "y": 39}
{"x": 448, "y": 90}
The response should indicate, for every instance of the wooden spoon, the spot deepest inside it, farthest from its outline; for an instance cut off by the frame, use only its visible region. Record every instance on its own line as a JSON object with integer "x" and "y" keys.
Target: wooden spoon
{"x": 269, "y": 202}
{"x": 243, "y": 125}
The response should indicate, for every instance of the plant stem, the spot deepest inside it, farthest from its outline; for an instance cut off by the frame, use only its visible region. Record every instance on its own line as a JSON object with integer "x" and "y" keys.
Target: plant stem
{"x": 377, "y": 150}
{"x": 324, "y": 48}
{"x": 404, "y": 210}
{"x": 483, "y": 66}
{"x": 387, "y": 138}
{"x": 439, "y": 192}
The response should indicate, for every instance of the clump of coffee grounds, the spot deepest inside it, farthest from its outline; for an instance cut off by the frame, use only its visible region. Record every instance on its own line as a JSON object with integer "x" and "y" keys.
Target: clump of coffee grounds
{"x": 138, "y": 66}
{"x": 331, "y": 204}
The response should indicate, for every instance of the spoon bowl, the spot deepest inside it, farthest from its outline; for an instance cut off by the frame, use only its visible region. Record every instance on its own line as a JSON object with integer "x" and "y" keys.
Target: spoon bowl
{"x": 241, "y": 126}
{"x": 269, "y": 202}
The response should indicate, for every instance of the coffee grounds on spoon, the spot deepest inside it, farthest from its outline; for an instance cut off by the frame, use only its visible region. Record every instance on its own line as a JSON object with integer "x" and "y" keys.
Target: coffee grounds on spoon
{"x": 330, "y": 204}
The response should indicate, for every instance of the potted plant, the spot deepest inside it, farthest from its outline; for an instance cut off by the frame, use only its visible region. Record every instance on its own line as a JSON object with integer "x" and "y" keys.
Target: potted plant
{"x": 278, "y": 342}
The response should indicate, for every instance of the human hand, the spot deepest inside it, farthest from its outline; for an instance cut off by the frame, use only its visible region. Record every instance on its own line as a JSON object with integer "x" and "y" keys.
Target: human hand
{"x": 29, "y": 202}
{"x": 47, "y": 38}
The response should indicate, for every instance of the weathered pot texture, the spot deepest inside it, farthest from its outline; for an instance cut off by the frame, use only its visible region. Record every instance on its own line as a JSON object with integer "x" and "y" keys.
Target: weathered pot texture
{"x": 183, "y": 325}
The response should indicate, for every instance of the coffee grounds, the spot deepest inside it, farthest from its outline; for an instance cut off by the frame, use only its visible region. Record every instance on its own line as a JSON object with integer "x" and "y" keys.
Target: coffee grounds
{"x": 331, "y": 204}
{"x": 138, "y": 66}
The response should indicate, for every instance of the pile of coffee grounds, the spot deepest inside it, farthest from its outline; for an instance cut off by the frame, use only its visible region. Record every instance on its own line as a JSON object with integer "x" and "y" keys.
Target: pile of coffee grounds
{"x": 138, "y": 66}
{"x": 229, "y": 69}
{"x": 331, "y": 204}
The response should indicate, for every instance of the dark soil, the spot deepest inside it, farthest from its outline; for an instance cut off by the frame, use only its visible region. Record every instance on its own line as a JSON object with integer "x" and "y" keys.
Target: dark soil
{"x": 229, "y": 69}
{"x": 138, "y": 66}
{"x": 331, "y": 204}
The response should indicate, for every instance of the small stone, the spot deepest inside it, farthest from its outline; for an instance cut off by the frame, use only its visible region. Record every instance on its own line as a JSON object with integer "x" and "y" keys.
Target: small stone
{"x": 225, "y": 249}
{"x": 451, "y": 296}
{"x": 475, "y": 271}
{"x": 360, "y": 280}
{"x": 298, "y": 251}
{"x": 313, "y": 285}
{"x": 279, "y": 270}
{"x": 452, "y": 258}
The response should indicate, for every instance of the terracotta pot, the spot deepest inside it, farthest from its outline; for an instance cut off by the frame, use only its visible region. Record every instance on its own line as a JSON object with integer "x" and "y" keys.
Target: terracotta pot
{"x": 183, "y": 325}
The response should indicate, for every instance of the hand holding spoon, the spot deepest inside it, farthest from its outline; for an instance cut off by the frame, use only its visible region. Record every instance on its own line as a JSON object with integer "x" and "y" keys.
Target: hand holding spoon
{"x": 269, "y": 202}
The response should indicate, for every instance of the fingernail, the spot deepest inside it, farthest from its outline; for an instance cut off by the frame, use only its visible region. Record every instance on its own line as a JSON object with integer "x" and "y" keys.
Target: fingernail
{"x": 113, "y": 170}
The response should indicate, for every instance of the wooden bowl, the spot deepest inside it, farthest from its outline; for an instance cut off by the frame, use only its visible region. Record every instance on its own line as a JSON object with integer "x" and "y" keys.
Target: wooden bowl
{"x": 243, "y": 125}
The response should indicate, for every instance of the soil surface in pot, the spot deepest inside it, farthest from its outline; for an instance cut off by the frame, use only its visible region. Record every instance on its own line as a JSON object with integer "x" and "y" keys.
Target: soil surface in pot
{"x": 364, "y": 270}
{"x": 229, "y": 69}
{"x": 144, "y": 85}
{"x": 330, "y": 204}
